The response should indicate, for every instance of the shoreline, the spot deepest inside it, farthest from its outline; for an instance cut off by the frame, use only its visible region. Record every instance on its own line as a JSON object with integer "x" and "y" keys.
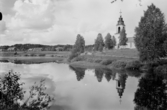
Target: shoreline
{"x": 32, "y": 60}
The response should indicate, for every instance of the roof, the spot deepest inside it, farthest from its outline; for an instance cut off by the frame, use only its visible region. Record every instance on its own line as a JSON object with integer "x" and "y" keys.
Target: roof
{"x": 120, "y": 21}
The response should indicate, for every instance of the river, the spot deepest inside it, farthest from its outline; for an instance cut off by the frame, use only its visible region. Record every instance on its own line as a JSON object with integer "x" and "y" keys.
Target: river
{"x": 80, "y": 89}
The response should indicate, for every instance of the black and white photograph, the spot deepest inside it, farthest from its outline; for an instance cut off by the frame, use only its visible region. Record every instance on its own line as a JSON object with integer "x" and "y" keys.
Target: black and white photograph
{"x": 83, "y": 54}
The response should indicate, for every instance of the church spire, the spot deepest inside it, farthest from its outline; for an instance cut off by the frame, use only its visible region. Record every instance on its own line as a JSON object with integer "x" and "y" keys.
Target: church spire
{"x": 120, "y": 21}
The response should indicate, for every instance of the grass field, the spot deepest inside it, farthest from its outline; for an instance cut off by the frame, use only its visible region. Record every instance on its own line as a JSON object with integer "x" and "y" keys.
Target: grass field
{"x": 61, "y": 56}
{"x": 101, "y": 59}
{"x": 31, "y": 57}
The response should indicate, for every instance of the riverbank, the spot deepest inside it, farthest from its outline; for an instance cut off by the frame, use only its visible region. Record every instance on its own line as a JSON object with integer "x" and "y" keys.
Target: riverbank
{"x": 34, "y": 57}
{"x": 109, "y": 59}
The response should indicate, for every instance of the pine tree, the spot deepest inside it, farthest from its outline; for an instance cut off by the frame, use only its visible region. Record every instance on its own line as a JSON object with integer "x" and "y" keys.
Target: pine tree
{"x": 123, "y": 39}
{"x": 150, "y": 34}
{"x": 109, "y": 44}
{"x": 99, "y": 43}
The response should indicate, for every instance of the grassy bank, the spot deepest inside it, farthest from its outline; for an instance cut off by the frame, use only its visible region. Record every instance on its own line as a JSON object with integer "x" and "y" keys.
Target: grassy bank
{"x": 118, "y": 59}
{"x": 34, "y": 57}
{"x": 108, "y": 59}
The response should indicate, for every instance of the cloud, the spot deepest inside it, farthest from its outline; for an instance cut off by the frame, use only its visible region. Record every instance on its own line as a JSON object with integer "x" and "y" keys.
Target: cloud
{"x": 2, "y": 27}
{"x": 59, "y": 21}
{"x": 33, "y": 14}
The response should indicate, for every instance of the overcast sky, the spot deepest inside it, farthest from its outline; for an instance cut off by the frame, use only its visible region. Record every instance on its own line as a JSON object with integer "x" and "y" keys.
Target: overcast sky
{"x": 59, "y": 21}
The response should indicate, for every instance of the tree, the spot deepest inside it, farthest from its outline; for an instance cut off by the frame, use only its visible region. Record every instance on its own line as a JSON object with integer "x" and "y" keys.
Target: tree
{"x": 0, "y": 16}
{"x": 123, "y": 39}
{"x": 113, "y": 1}
{"x": 109, "y": 44}
{"x": 99, "y": 43}
{"x": 79, "y": 45}
{"x": 114, "y": 41}
{"x": 78, "y": 48}
{"x": 99, "y": 74}
{"x": 11, "y": 91}
{"x": 80, "y": 72}
{"x": 165, "y": 46}
{"x": 150, "y": 34}
{"x": 151, "y": 92}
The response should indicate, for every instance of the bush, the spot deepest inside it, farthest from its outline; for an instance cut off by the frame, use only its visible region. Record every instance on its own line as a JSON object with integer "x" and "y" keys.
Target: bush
{"x": 3, "y": 60}
{"x": 133, "y": 65}
{"x": 79, "y": 58}
{"x": 161, "y": 69}
{"x": 41, "y": 55}
{"x": 11, "y": 93}
{"x": 26, "y": 55}
{"x": 17, "y": 61}
{"x": 119, "y": 64}
{"x": 33, "y": 55}
{"x": 107, "y": 62}
{"x": 98, "y": 61}
{"x": 73, "y": 55}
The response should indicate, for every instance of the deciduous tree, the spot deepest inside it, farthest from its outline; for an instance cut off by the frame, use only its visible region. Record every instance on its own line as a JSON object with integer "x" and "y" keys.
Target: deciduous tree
{"x": 109, "y": 44}
{"x": 99, "y": 43}
{"x": 150, "y": 34}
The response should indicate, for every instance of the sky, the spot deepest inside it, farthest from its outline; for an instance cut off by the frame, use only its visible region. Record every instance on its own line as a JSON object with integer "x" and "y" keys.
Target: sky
{"x": 53, "y": 22}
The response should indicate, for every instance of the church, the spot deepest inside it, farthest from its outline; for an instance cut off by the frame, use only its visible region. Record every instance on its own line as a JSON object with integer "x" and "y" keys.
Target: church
{"x": 130, "y": 40}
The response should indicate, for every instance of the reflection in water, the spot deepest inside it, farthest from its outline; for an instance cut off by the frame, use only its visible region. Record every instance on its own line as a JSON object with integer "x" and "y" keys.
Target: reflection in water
{"x": 80, "y": 72}
{"x": 152, "y": 92}
{"x": 109, "y": 74}
{"x": 70, "y": 94}
{"x": 119, "y": 76}
{"x": 99, "y": 74}
{"x": 120, "y": 84}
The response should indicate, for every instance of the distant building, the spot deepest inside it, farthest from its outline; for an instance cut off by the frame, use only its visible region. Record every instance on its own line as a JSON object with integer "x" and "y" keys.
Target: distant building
{"x": 11, "y": 49}
{"x": 35, "y": 49}
{"x": 59, "y": 48}
{"x": 119, "y": 27}
{"x": 2, "y": 50}
{"x": 130, "y": 44}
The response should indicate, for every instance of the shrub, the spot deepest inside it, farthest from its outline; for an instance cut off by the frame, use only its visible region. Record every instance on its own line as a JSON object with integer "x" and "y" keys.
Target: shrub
{"x": 26, "y": 55}
{"x": 73, "y": 55}
{"x": 97, "y": 60}
{"x": 133, "y": 65}
{"x": 3, "y": 60}
{"x": 17, "y": 61}
{"x": 41, "y": 55}
{"x": 119, "y": 64}
{"x": 11, "y": 92}
{"x": 79, "y": 58}
{"x": 161, "y": 69}
{"x": 107, "y": 61}
{"x": 33, "y": 55}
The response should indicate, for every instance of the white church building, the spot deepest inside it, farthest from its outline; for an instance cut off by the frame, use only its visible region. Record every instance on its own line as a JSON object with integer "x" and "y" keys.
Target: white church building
{"x": 130, "y": 43}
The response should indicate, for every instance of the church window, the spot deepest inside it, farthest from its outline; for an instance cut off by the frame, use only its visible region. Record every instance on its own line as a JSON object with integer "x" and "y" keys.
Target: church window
{"x": 119, "y": 29}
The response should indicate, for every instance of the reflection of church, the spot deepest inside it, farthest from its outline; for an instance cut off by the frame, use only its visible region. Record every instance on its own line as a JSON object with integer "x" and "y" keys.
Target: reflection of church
{"x": 120, "y": 84}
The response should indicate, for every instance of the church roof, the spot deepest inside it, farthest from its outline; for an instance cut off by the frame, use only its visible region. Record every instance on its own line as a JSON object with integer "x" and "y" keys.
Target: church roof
{"x": 120, "y": 21}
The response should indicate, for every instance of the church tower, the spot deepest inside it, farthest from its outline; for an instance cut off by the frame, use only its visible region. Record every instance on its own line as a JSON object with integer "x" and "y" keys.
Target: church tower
{"x": 119, "y": 27}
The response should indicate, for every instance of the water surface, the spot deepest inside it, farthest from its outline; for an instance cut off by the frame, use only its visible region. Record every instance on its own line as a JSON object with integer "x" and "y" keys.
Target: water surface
{"x": 80, "y": 89}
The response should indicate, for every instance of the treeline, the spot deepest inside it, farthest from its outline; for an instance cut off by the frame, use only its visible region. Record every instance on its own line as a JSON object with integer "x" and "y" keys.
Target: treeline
{"x": 26, "y": 47}
{"x": 108, "y": 43}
